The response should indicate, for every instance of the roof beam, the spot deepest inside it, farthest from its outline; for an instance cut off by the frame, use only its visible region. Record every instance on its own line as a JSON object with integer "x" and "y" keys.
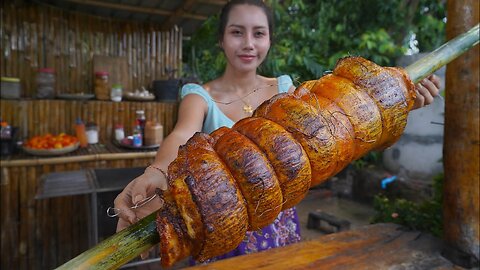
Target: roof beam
{"x": 214, "y": 2}
{"x": 178, "y": 13}
{"x": 130, "y": 8}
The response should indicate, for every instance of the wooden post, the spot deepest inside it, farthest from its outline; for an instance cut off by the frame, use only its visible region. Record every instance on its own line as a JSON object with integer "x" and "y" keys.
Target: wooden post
{"x": 461, "y": 145}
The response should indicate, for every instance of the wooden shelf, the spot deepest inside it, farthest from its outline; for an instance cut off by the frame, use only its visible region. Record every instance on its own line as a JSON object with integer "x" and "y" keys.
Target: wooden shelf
{"x": 39, "y": 117}
{"x": 97, "y": 152}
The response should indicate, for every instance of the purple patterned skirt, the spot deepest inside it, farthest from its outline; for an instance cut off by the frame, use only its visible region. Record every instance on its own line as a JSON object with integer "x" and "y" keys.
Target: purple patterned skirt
{"x": 283, "y": 231}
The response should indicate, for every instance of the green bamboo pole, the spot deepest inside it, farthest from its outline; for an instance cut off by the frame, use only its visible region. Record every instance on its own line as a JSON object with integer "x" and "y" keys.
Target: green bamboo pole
{"x": 443, "y": 55}
{"x": 123, "y": 246}
{"x": 119, "y": 248}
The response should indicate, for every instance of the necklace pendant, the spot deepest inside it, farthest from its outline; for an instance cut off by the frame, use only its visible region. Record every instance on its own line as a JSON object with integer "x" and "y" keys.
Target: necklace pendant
{"x": 247, "y": 109}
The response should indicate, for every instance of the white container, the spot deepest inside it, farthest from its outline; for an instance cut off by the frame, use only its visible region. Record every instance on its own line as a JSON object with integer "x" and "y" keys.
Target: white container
{"x": 116, "y": 93}
{"x": 92, "y": 133}
{"x": 119, "y": 132}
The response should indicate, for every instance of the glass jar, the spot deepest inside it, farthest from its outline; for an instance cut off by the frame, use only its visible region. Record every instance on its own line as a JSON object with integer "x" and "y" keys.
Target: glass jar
{"x": 91, "y": 130}
{"x": 116, "y": 93}
{"x": 102, "y": 88}
{"x": 45, "y": 83}
{"x": 119, "y": 132}
{"x": 153, "y": 133}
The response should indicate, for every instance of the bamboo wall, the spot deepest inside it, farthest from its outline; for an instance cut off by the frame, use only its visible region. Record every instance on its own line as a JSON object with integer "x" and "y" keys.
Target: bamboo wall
{"x": 35, "y": 36}
{"x": 38, "y": 117}
{"x": 45, "y": 233}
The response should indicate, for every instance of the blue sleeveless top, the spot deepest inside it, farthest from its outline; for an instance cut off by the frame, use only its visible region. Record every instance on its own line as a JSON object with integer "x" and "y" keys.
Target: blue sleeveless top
{"x": 215, "y": 117}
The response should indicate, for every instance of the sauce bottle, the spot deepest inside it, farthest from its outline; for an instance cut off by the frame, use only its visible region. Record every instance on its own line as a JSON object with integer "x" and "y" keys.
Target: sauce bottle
{"x": 141, "y": 121}
{"x": 81, "y": 133}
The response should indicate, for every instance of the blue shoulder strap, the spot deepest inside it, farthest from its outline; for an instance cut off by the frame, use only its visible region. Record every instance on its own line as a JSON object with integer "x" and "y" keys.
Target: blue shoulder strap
{"x": 284, "y": 83}
{"x": 215, "y": 118}
{"x": 193, "y": 88}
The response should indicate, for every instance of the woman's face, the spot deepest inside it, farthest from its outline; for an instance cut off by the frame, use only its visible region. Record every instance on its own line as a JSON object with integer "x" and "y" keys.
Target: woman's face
{"x": 246, "y": 40}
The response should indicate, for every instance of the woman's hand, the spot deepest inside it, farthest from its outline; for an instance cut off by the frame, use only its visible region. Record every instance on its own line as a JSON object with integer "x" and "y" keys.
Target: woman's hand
{"x": 138, "y": 190}
{"x": 426, "y": 89}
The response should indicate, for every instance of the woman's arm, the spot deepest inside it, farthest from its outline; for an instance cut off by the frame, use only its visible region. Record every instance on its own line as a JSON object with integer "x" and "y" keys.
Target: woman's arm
{"x": 191, "y": 113}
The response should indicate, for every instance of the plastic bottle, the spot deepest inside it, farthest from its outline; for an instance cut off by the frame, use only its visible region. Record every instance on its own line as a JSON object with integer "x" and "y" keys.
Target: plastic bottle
{"x": 7, "y": 139}
{"x": 80, "y": 133}
{"x": 5, "y": 131}
{"x": 137, "y": 135}
{"x": 142, "y": 121}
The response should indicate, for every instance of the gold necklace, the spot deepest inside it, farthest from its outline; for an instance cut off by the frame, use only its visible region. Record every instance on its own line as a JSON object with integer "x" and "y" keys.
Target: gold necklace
{"x": 239, "y": 97}
{"x": 247, "y": 108}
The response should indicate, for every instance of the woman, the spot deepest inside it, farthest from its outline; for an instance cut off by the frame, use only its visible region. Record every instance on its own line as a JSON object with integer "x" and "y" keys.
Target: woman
{"x": 245, "y": 36}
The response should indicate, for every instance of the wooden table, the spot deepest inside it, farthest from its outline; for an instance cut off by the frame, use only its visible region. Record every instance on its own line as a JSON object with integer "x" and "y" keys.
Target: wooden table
{"x": 378, "y": 246}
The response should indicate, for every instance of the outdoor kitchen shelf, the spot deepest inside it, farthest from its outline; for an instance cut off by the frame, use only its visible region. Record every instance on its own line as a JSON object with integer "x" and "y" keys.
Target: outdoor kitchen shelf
{"x": 76, "y": 188}
{"x": 96, "y": 152}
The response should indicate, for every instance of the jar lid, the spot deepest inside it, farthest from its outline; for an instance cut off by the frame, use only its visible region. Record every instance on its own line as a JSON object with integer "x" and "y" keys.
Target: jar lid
{"x": 118, "y": 126}
{"x": 140, "y": 111}
{"x": 46, "y": 70}
{"x": 10, "y": 79}
{"x": 91, "y": 125}
{"x": 101, "y": 73}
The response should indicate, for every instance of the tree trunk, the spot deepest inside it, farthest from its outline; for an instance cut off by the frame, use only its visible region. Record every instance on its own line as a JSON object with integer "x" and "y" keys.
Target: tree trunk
{"x": 462, "y": 143}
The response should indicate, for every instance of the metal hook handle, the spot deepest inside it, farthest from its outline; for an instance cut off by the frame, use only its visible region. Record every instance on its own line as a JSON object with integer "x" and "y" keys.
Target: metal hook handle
{"x": 114, "y": 212}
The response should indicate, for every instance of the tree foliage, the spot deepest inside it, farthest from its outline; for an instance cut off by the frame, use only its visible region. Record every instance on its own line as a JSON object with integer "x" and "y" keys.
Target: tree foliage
{"x": 310, "y": 36}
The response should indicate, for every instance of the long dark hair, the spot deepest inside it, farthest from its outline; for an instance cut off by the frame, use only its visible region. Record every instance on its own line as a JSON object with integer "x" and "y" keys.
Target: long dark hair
{"x": 228, "y": 7}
